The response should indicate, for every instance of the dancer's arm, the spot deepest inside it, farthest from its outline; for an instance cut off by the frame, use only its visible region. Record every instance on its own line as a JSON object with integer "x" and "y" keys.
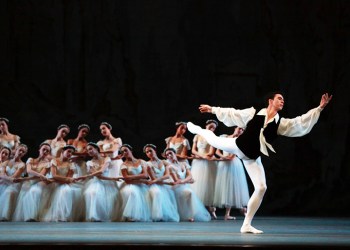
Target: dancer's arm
{"x": 13, "y": 177}
{"x": 130, "y": 177}
{"x": 160, "y": 180}
{"x": 194, "y": 147}
{"x": 105, "y": 165}
{"x": 230, "y": 116}
{"x": 303, "y": 124}
{"x": 57, "y": 177}
{"x": 188, "y": 178}
{"x": 41, "y": 175}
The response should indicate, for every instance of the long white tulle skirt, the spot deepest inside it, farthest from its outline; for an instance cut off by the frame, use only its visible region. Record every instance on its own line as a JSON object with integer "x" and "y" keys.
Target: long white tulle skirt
{"x": 100, "y": 197}
{"x": 8, "y": 196}
{"x": 204, "y": 174}
{"x": 231, "y": 188}
{"x": 32, "y": 200}
{"x": 189, "y": 205}
{"x": 133, "y": 203}
{"x": 66, "y": 203}
{"x": 163, "y": 203}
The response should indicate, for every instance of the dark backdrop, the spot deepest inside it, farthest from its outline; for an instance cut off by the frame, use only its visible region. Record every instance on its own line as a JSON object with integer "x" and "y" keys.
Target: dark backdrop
{"x": 142, "y": 65}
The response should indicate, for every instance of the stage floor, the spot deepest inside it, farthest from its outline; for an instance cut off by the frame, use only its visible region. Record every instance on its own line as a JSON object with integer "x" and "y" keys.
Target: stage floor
{"x": 278, "y": 232}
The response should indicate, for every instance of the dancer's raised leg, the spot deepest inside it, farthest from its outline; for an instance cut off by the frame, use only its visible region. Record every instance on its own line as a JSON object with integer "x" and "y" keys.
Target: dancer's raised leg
{"x": 223, "y": 143}
{"x": 256, "y": 173}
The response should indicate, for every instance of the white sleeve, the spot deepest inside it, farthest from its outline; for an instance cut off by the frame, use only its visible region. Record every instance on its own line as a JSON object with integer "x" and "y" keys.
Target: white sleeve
{"x": 30, "y": 161}
{"x": 167, "y": 140}
{"x": 22, "y": 165}
{"x": 234, "y": 117}
{"x": 300, "y": 125}
{"x": 53, "y": 162}
{"x": 123, "y": 166}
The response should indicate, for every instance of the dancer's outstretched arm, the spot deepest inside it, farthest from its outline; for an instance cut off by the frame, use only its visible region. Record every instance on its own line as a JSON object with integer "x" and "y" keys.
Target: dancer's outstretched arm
{"x": 303, "y": 124}
{"x": 230, "y": 116}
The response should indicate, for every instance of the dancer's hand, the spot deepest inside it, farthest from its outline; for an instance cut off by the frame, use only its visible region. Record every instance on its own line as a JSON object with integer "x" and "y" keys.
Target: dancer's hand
{"x": 17, "y": 180}
{"x": 80, "y": 178}
{"x": 191, "y": 181}
{"x": 205, "y": 108}
{"x": 325, "y": 99}
{"x": 119, "y": 178}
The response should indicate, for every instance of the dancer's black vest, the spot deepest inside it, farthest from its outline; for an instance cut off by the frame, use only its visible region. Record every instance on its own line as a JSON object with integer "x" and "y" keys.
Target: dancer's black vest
{"x": 249, "y": 142}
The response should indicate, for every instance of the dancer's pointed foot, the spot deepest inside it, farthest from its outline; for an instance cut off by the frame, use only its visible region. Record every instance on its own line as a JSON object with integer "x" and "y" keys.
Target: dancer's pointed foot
{"x": 228, "y": 217}
{"x": 213, "y": 215}
{"x": 193, "y": 128}
{"x": 212, "y": 212}
{"x": 250, "y": 229}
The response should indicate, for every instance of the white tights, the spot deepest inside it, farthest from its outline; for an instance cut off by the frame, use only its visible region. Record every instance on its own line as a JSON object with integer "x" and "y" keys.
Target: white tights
{"x": 254, "y": 168}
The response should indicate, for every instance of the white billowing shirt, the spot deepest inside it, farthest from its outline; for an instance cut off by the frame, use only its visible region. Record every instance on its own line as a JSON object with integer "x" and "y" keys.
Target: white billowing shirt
{"x": 295, "y": 127}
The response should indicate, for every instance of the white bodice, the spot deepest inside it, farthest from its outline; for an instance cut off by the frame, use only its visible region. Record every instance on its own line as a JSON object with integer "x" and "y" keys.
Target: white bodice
{"x": 37, "y": 166}
{"x": 62, "y": 168}
{"x": 178, "y": 146}
{"x": 11, "y": 170}
{"x": 177, "y": 169}
{"x": 159, "y": 172}
{"x": 132, "y": 170}
{"x": 108, "y": 146}
{"x": 94, "y": 165}
{"x": 203, "y": 146}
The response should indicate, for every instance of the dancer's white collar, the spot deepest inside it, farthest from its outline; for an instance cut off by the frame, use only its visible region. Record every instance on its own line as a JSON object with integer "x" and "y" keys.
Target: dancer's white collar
{"x": 263, "y": 143}
{"x": 264, "y": 112}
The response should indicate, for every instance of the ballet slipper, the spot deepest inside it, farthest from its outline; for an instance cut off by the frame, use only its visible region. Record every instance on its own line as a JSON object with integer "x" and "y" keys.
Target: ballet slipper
{"x": 227, "y": 217}
{"x": 212, "y": 211}
{"x": 250, "y": 229}
{"x": 193, "y": 128}
{"x": 130, "y": 219}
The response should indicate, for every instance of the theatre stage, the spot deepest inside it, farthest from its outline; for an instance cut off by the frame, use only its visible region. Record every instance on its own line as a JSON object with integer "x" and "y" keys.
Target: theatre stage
{"x": 280, "y": 232}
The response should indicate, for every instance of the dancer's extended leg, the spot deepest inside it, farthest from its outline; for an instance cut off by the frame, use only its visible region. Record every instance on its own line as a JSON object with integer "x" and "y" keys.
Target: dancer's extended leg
{"x": 223, "y": 143}
{"x": 256, "y": 173}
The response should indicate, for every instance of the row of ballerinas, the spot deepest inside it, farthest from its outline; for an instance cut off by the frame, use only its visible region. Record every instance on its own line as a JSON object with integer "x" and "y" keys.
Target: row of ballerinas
{"x": 229, "y": 191}
{"x": 156, "y": 190}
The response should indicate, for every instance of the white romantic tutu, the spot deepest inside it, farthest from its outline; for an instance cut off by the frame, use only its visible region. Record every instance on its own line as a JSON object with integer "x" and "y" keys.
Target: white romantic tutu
{"x": 99, "y": 196}
{"x": 189, "y": 205}
{"x": 32, "y": 200}
{"x": 163, "y": 203}
{"x": 204, "y": 175}
{"x": 8, "y": 196}
{"x": 231, "y": 188}
{"x": 66, "y": 203}
{"x": 133, "y": 203}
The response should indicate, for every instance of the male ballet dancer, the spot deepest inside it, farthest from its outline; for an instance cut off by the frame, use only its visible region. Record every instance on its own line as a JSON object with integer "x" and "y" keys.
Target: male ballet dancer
{"x": 261, "y": 129}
